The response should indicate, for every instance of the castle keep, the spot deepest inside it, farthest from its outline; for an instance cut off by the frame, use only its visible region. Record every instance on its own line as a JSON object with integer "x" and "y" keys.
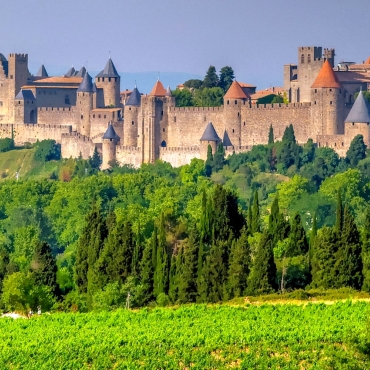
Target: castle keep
{"x": 83, "y": 114}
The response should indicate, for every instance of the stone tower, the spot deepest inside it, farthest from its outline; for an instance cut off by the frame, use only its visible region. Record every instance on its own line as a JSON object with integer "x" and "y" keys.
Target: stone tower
{"x": 4, "y": 83}
{"x": 154, "y": 130}
{"x": 233, "y": 101}
{"x": 109, "y": 81}
{"x": 25, "y": 110}
{"x": 85, "y": 99}
{"x": 358, "y": 120}
{"x": 211, "y": 138}
{"x": 17, "y": 77}
{"x": 131, "y": 118}
{"x": 327, "y": 99}
{"x": 110, "y": 141}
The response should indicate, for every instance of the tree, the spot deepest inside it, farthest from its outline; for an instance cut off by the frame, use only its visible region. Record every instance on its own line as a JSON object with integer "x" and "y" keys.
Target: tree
{"x": 348, "y": 265}
{"x": 208, "y": 97}
{"x": 219, "y": 158}
{"x": 298, "y": 244}
{"x": 289, "y": 150}
{"x": 47, "y": 150}
{"x": 183, "y": 98}
{"x": 96, "y": 161}
{"x": 339, "y": 214}
{"x": 323, "y": 258}
{"x": 239, "y": 266}
{"x": 255, "y": 225}
{"x": 365, "y": 237}
{"x": 262, "y": 279}
{"x": 356, "y": 151}
{"x": 277, "y": 99}
{"x": 44, "y": 267}
{"x": 188, "y": 262}
{"x": 209, "y": 162}
{"x": 6, "y": 144}
{"x": 211, "y": 78}
{"x": 147, "y": 271}
{"x": 271, "y": 135}
{"x": 193, "y": 84}
{"x": 278, "y": 226}
{"x": 226, "y": 78}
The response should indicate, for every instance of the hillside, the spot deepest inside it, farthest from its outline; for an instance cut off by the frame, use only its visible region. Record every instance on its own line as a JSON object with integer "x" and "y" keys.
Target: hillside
{"x": 22, "y": 160}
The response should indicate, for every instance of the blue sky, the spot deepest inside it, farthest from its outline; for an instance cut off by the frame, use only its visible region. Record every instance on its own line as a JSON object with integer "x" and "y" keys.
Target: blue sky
{"x": 181, "y": 39}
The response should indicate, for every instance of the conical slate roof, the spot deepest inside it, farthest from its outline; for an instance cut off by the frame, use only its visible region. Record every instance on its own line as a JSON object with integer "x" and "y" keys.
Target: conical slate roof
{"x": 235, "y": 92}
{"x": 326, "y": 77}
{"x": 158, "y": 90}
{"x": 81, "y": 72}
{"x": 109, "y": 70}
{"x": 135, "y": 98}
{"x": 360, "y": 111}
{"x": 210, "y": 134}
{"x": 86, "y": 84}
{"x": 2, "y": 58}
{"x": 110, "y": 133}
{"x": 25, "y": 95}
{"x": 226, "y": 140}
{"x": 42, "y": 72}
{"x": 71, "y": 72}
{"x": 168, "y": 91}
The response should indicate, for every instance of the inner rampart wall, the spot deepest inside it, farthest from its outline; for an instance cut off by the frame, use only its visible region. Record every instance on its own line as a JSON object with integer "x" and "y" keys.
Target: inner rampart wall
{"x": 179, "y": 156}
{"x": 256, "y": 121}
{"x": 129, "y": 155}
{"x": 75, "y": 144}
{"x": 64, "y": 116}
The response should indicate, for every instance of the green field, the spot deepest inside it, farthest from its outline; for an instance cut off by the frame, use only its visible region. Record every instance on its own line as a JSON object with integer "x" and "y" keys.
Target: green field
{"x": 313, "y": 336}
{"x": 22, "y": 160}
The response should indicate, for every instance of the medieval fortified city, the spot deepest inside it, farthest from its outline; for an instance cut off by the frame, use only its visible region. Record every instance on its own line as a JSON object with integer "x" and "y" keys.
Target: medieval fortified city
{"x": 83, "y": 113}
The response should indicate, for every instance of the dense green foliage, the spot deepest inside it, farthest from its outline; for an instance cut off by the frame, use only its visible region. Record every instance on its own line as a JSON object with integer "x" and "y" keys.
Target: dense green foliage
{"x": 6, "y": 144}
{"x": 218, "y": 337}
{"x": 277, "y": 218}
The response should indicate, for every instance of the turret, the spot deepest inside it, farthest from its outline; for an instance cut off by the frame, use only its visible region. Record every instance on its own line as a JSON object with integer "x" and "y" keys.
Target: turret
{"x": 327, "y": 99}
{"x": 211, "y": 138}
{"x": 81, "y": 72}
{"x": 25, "y": 110}
{"x": 85, "y": 94}
{"x": 131, "y": 120}
{"x": 233, "y": 101}
{"x": 110, "y": 141}
{"x": 109, "y": 81}
{"x": 71, "y": 72}
{"x": 358, "y": 120}
{"x": 42, "y": 72}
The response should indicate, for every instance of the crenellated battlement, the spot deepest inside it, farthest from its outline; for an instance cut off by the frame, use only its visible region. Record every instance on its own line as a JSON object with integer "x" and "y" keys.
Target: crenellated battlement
{"x": 279, "y": 106}
{"x": 57, "y": 109}
{"x": 76, "y": 135}
{"x": 180, "y": 149}
{"x": 128, "y": 148}
{"x": 18, "y": 56}
{"x": 195, "y": 109}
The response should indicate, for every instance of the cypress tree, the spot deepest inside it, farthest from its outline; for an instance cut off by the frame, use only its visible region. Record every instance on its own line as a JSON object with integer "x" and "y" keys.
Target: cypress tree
{"x": 138, "y": 254}
{"x": 209, "y": 162}
{"x": 366, "y": 252}
{"x": 219, "y": 158}
{"x": 356, "y": 151}
{"x": 339, "y": 214}
{"x": 44, "y": 267}
{"x": 250, "y": 217}
{"x": 239, "y": 266}
{"x": 94, "y": 250}
{"x": 214, "y": 273}
{"x": 188, "y": 269}
{"x": 88, "y": 235}
{"x": 313, "y": 235}
{"x": 348, "y": 265}
{"x": 271, "y": 135}
{"x": 278, "y": 226}
{"x": 174, "y": 275}
{"x": 161, "y": 271}
{"x": 95, "y": 161}
{"x": 211, "y": 78}
{"x": 255, "y": 214}
{"x": 147, "y": 272}
{"x": 298, "y": 244}
{"x": 262, "y": 279}
{"x": 323, "y": 258}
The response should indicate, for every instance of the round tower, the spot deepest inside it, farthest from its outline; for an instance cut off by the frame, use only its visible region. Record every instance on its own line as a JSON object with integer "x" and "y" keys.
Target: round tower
{"x": 109, "y": 81}
{"x": 85, "y": 104}
{"x": 328, "y": 103}
{"x": 211, "y": 138}
{"x": 131, "y": 121}
{"x": 233, "y": 101}
{"x": 358, "y": 120}
{"x": 110, "y": 141}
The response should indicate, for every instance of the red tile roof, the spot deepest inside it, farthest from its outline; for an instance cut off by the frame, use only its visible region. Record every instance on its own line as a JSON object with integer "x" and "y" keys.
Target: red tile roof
{"x": 326, "y": 77}
{"x": 235, "y": 92}
{"x": 158, "y": 90}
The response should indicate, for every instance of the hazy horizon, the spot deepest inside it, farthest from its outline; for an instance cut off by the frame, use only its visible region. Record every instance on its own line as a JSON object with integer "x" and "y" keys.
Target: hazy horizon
{"x": 181, "y": 39}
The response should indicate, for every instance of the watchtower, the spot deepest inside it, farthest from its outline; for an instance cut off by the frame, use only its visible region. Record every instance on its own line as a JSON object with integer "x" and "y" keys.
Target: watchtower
{"x": 85, "y": 99}
{"x": 131, "y": 118}
{"x": 110, "y": 141}
{"x": 109, "y": 81}
{"x": 209, "y": 138}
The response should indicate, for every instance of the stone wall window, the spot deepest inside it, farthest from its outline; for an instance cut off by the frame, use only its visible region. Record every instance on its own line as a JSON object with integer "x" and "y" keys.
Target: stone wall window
{"x": 174, "y": 119}
{"x": 164, "y": 129}
{"x": 105, "y": 116}
{"x": 1, "y": 103}
{"x": 309, "y": 58}
{"x": 93, "y": 115}
{"x": 82, "y": 116}
{"x": 302, "y": 58}
{"x": 236, "y": 102}
{"x": 132, "y": 123}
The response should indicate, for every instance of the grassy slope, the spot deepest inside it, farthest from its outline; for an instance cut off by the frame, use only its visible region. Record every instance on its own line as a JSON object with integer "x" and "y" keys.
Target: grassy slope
{"x": 23, "y": 161}
{"x": 190, "y": 337}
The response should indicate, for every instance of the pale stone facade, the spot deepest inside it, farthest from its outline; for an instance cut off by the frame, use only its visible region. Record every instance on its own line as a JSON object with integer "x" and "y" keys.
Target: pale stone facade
{"x": 74, "y": 110}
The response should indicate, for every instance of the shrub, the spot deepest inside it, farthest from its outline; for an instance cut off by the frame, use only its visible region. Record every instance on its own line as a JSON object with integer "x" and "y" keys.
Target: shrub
{"x": 6, "y": 144}
{"x": 47, "y": 150}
